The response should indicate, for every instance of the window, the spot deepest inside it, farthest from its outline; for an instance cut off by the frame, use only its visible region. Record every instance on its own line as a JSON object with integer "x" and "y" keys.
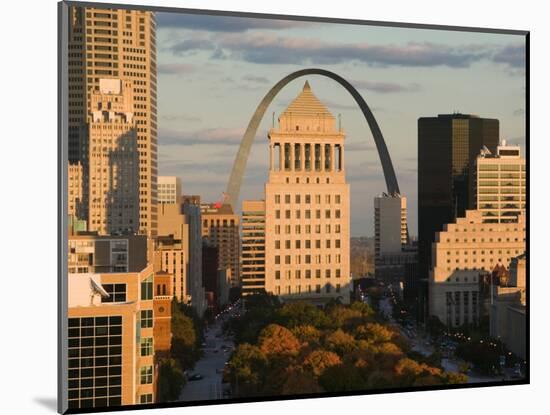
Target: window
{"x": 277, "y": 229}
{"x": 287, "y": 259}
{"x": 298, "y": 244}
{"x": 317, "y": 198}
{"x": 277, "y": 214}
{"x": 338, "y": 273}
{"x": 277, "y": 275}
{"x": 277, "y": 244}
{"x": 297, "y": 198}
{"x": 287, "y": 214}
{"x": 317, "y": 243}
{"x": 308, "y": 259}
{"x": 327, "y": 199}
{"x": 277, "y": 259}
{"x": 337, "y": 213}
{"x": 146, "y": 319}
{"x": 308, "y": 198}
{"x": 308, "y": 214}
{"x": 147, "y": 398}
{"x": 117, "y": 293}
{"x": 308, "y": 244}
{"x": 298, "y": 274}
{"x": 308, "y": 273}
{"x": 287, "y": 198}
{"x": 337, "y": 228}
{"x": 317, "y": 273}
{"x": 318, "y": 214}
{"x": 337, "y": 243}
{"x": 297, "y": 214}
{"x": 337, "y": 199}
{"x": 277, "y": 199}
{"x": 328, "y": 243}
{"x": 327, "y": 273}
{"x": 318, "y": 288}
{"x": 147, "y": 288}
{"x": 146, "y": 375}
{"x": 287, "y": 244}
{"x": 337, "y": 288}
{"x": 146, "y": 346}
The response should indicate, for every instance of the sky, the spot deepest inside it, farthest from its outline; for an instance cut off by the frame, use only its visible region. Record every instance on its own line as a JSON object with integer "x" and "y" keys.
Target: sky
{"x": 213, "y": 71}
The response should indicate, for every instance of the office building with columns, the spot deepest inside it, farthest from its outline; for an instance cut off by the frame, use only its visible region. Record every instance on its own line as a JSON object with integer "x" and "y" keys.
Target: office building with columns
{"x": 307, "y": 206}
{"x": 462, "y": 254}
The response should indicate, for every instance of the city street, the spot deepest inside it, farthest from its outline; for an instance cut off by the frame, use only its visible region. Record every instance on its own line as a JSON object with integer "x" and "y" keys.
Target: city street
{"x": 211, "y": 365}
{"x": 420, "y": 343}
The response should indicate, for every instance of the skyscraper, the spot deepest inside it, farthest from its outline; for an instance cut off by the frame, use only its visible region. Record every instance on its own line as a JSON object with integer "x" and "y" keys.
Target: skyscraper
{"x": 499, "y": 185}
{"x": 307, "y": 205}
{"x": 109, "y": 46}
{"x": 253, "y": 247}
{"x": 447, "y": 148}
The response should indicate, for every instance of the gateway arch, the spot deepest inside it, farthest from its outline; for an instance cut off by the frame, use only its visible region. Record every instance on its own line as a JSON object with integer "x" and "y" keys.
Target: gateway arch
{"x": 239, "y": 165}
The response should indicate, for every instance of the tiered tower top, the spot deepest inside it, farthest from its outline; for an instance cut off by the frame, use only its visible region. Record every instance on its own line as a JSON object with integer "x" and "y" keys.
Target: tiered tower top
{"x": 307, "y": 113}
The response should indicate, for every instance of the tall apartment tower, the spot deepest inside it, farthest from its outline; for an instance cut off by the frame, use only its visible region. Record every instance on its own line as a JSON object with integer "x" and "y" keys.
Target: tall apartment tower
{"x": 447, "y": 149}
{"x": 499, "y": 185}
{"x": 253, "y": 247}
{"x": 169, "y": 189}
{"x": 307, "y": 205}
{"x": 110, "y": 45}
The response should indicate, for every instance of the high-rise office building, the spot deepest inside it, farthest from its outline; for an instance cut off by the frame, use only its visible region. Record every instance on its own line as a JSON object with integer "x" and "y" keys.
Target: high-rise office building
{"x": 111, "y": 339}
{"x": 391, "y": 239}
{"x": 307, "y": 207}
{"x": 463, "y": 252}
{"x": 499, "y": 185}
{"x": 192, "y": 213}
{"x": 168, "y": 189}
{"x": 220, "y": 228}
{"x": 108, "y": 47}
{"x": 447, "y": 148}
{"x": 253, "y": 247}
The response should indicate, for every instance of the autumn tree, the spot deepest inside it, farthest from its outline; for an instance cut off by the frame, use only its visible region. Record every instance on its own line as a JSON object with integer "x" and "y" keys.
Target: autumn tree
{"x": 278, "y": 340}
{"x": 318, "y": 360}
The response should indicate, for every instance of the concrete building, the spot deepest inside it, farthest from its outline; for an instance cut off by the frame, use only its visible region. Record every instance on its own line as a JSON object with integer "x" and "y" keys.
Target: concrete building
{"x": 110, "y": 339}
{"x": 169, "y": 189}
{"x": 499, "y": 184}
{"x": 162, "y": 312}
{"x": 220, "y": 228}
{"x": 91, "y": 253}
{"x": 507, "y": 311}
{"x": 115, "y": 46}
{"x": 462, "y": 254}
{"x": 253, "y": 247}
{"x": 391, "y": 242}
{"x": 307, "y": 206}
{"x": 113, "y": 169}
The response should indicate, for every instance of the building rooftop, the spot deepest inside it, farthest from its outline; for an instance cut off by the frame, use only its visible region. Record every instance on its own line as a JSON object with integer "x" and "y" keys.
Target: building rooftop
{"x": 307, "y": 104}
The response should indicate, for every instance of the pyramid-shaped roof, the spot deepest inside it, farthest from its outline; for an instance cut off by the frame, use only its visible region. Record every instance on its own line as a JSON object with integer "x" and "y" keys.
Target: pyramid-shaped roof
{"x": 307, "y": 104}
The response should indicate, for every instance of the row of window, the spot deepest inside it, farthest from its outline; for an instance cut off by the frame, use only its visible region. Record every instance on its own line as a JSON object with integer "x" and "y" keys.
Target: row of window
{"x": 307, "y": 244}
{"x": 307, "y": 229}
{"x": 308, "y": 273}
{"x": 307, "y": 199}
{"x": 307, "y": 289}
{"x": 307, "y": 214}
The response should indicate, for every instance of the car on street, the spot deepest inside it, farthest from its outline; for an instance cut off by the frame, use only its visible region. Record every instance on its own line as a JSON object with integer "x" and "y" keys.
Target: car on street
{"x": 196, "y": 376}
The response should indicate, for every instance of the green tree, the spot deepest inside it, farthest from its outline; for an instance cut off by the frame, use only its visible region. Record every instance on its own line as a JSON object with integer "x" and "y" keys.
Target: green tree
{"x": 278, "y": 340}
{"x": 247, "y": 369}
{"x": 318, "y": 360}
{"x": 344, "y": 377}
{"x": 301, "y": 313}
{"x": 170, "y": 380}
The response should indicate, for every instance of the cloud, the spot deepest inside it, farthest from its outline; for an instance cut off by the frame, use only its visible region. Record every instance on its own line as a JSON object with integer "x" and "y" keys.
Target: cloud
{"x": 255, "y": 78}
{"x": 385, "y": 87}
{"x": 176, "y": 68}
{"x": 519, "y": 112}
{"x": 229, "y": 24}
{"x": 511, "y": 55}
{"x": 268, "y": 48}
{"x": 219, "y": 136}
{"x": 181, "y": 117}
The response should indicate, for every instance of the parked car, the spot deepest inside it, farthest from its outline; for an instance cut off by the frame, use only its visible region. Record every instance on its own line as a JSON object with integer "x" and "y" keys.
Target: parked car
{"x": 196, "y": 376}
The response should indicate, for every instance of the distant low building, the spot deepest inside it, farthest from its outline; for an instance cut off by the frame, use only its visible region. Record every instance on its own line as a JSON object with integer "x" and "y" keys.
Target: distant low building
{"x": 168, "y": 189}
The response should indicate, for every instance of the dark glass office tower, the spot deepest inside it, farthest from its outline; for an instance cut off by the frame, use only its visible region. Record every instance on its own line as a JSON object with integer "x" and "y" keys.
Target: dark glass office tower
{"x": 447, "y": 147}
